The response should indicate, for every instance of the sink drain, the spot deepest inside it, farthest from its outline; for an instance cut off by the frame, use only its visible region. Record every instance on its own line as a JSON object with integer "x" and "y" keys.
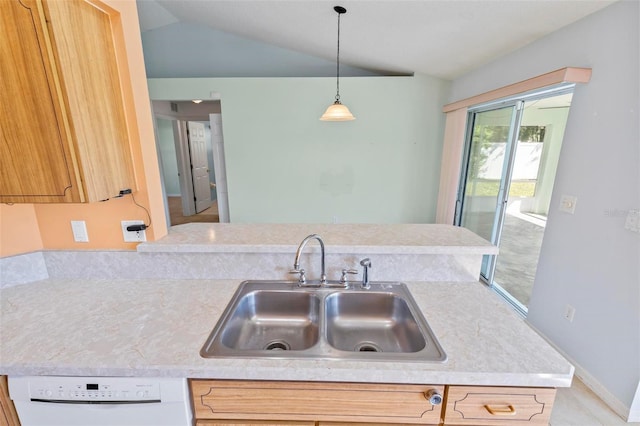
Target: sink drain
{"x": 367, "y": 347}
{"x": 277, "y": 345}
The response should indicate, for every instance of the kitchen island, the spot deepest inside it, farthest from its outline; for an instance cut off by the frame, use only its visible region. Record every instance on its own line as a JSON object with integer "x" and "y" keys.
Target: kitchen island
{"x": 118, "y": 325}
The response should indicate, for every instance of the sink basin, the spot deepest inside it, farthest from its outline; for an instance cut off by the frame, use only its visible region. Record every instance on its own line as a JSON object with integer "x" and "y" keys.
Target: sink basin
{"x": 371, "y": 322}
{"x": 279, "y": 319}
{"x": 273, "y": 320}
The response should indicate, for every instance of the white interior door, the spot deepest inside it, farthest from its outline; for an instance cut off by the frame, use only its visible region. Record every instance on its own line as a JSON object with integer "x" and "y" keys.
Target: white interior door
{"x": 199, "y": 166}
{"x": 220, "y": 169}
{"x": 183, "y": 157}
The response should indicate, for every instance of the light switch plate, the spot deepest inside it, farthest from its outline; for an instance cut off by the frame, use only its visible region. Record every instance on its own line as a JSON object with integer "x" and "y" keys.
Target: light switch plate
{"x": 568, "y": 204}
{"x": 79, "y": 229}
{"x": 569, "y": 313}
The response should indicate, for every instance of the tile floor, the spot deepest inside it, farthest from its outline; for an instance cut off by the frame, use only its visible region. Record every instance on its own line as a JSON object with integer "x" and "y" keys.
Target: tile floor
{"x": 579, "y": 406}
{"x": 520, "y": 245}
{"x": 518, "y": 259}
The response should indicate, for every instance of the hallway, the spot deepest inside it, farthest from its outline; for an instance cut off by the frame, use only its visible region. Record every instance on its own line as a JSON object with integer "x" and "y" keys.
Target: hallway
{"x": 175, "y": 213}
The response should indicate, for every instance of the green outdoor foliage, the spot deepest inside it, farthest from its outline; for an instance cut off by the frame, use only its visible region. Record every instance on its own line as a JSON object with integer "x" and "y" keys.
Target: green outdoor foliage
{"x": 489, "y": 188}
{"x": 483, "y": 136}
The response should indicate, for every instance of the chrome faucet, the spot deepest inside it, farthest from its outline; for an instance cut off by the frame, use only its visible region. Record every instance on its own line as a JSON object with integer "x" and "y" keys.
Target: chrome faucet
{"x": 296, "y": 262}
{"x": 366, "y": 264}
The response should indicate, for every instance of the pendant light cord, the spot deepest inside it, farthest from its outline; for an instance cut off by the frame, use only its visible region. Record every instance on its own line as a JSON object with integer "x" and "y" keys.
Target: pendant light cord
{"x": 338, "y": 64}
{"x": 336, "y": 111}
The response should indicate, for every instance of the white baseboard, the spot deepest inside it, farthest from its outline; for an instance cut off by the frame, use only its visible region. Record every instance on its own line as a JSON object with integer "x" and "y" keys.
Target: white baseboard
{"x": 592, "y": 383}
{"x": 603, "y": 393}
{"x": 634, "y": 412}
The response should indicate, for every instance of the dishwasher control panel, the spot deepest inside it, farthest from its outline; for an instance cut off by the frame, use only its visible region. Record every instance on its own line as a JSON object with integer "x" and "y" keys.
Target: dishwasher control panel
{"x": 95, "y": 389}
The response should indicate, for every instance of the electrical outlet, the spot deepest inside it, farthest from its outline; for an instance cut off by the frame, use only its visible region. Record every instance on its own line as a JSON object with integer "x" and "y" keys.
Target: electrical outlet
{"x": 569, "y": 313}
{"x": 633, "y": 221}
{"x": 79, "y": 229}
{"x": 568, "y": 204}
{"x": 133, "y": 236}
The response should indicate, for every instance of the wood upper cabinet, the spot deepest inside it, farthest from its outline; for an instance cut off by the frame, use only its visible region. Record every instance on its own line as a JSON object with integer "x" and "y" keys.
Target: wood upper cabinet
{"x": 259, "y": 403}
{"x": 66, "y": 116}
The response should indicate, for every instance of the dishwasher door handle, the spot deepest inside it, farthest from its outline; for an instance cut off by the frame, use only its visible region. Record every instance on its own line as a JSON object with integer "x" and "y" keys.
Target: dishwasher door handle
{"x": 87, "y": 402}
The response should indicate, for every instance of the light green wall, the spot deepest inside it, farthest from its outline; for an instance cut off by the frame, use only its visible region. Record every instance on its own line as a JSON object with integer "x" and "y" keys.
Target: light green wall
{"x": 284, "y": 165}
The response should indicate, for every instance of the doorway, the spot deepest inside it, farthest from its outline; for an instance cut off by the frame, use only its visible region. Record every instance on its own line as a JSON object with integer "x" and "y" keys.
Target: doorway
{"x": 191, "y": 158}
{"x": 511, "y": 156}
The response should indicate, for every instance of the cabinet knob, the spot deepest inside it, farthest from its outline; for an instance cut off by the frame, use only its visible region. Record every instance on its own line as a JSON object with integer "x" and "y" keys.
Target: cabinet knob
{"x": 433, "y": 396}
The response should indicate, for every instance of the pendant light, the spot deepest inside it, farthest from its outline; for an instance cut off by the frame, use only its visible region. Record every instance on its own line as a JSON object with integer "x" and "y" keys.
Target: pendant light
{"x": 337, "y": 111}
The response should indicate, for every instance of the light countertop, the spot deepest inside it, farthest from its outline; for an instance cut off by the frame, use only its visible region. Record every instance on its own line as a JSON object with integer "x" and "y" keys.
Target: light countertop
{"x": 338, "y": 238}
{"x": 83, "y": 327}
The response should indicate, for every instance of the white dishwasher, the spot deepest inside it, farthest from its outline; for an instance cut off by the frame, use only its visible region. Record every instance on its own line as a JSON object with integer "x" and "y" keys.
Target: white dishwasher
{"x": 100, "y": 401}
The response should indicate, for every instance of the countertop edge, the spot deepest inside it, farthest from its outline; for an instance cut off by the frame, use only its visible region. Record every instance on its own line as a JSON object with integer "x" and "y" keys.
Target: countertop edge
{"x": 310, "y": 374}
{"x": 334, "y": 249}
{"x": 338, "y": 238}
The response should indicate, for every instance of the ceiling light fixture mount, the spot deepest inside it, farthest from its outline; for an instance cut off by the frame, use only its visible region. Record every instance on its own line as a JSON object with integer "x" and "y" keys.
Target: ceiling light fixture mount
{"x": 337, "y": 111}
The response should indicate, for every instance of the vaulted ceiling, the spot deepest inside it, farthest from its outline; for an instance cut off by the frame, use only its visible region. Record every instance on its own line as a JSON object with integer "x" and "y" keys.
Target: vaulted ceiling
{"x": 441, "y": 38}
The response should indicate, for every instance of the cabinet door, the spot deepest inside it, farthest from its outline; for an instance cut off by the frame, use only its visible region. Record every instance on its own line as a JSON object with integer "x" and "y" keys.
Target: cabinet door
{"x": 67, "y": 117}
{"x": 490, "y": 406}
{"x": 89, "y": 46}
{"x": 8, "y": 415}
{"x": 35, "y": 140}
{"x": 314, "y": 401}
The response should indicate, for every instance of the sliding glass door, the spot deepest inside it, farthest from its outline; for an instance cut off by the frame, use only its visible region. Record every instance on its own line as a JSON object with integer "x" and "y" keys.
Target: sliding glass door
{"x": 511, "y": 156}
{"x": 486, "y": 176}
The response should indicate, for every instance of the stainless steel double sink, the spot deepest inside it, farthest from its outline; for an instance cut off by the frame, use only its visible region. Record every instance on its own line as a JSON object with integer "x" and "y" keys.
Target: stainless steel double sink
{"x": 279, "y": 319}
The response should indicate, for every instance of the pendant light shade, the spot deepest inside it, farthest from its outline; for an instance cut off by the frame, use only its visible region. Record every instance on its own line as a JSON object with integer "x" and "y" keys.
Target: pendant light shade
{"x": 337, "y": 111}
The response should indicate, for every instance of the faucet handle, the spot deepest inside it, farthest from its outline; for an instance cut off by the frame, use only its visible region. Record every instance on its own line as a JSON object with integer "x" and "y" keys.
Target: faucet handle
{"x": 343, "y": 279}
{"x": 301, "y": 279}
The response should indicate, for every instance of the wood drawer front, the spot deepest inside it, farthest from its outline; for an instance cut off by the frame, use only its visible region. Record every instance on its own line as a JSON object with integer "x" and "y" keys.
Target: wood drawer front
{"x": 342, "y": 402}
{"x": 250, "y": 423}
{"x": 362, "y": 424}
{"x": 285, "y": 423}
{"x": 475, "y": 405}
